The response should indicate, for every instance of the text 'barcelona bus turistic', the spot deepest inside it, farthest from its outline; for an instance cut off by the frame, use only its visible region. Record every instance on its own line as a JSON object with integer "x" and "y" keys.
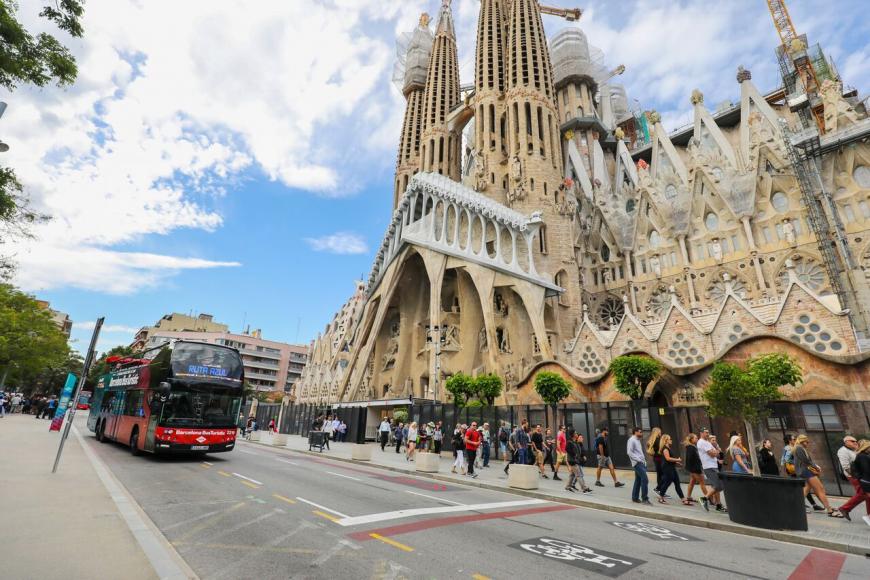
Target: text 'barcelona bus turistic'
{"x": 186, "y": 397}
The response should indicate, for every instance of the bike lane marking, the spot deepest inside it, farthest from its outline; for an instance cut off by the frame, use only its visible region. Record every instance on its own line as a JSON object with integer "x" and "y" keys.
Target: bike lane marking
{"x": 579, "y": 556}
{"x": 409, "y": 513}
{"x": 323, "y": 508}
{"x": 819, "y": 565}
{"x": 254, "y": 481}
{"x": 392, "y": 543}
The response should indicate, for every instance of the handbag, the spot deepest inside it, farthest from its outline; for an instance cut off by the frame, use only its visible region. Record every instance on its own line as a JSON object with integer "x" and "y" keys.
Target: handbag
{"x": 815, "y": 470}
{"x": 789, "y": 468}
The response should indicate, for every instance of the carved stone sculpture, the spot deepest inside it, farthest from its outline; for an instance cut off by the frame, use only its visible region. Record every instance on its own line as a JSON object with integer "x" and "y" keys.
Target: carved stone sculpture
{"x": 716, "y": 249}
{"x": 482, "y": 340}
{"x": 656, "y": 265}
{"x": 788, "y": 231}
{"x": 836, "y": 107}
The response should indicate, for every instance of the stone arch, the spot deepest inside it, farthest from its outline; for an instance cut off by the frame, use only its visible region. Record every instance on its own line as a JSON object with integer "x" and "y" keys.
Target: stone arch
{"x": 464, "y": 228}
{"x": 490, "y": 242}
{"x": 477, "y": 234}
{"x": 452, "y": 223}
{"x": 439, "y": 219}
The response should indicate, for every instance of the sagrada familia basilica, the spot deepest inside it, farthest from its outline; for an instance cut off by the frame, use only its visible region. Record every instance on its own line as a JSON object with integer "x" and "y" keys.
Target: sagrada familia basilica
{"x": 540, "y": 222}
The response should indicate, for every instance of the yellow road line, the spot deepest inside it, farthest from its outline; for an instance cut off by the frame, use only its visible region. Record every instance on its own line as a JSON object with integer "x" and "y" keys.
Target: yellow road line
{"x": 204, "y": 465}
{"x": 325, "y": 515}
{"x": 251, "y": 485}
{"x": 224, "y": 473}
{"x": 481, "y": 577}
{"x": 282, "y": 498}
{"x": 392, "y": 543}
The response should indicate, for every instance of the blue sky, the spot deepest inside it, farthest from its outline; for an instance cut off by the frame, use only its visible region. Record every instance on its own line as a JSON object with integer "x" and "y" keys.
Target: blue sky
{"x": 240, "y": 161}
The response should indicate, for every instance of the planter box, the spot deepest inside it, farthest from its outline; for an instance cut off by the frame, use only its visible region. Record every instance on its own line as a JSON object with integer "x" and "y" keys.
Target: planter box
{"x": 276, "y": 439}
{"x": 768, "y": 502}
{"x": 255, "y": 436}
{"x": 523, "y": 476}
{"x": 361, "y": 452}
{"x": 427, "y": 462}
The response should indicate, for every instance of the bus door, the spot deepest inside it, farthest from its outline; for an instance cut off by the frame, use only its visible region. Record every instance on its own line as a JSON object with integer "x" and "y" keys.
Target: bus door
{"x": 155, "y": 407}
{"x": 114, "y": 417}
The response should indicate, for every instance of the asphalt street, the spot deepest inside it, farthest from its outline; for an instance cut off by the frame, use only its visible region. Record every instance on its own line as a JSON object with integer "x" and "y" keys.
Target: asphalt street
{"x": 258, "y": 512}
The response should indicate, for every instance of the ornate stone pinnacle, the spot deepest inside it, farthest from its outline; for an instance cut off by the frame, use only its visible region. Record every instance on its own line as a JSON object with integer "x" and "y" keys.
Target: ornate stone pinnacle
{"x": 743, "y": 74}
{"x": 697, "y": 97}
{"x": 424, "y": 20}
{"x": 654, "y": 117}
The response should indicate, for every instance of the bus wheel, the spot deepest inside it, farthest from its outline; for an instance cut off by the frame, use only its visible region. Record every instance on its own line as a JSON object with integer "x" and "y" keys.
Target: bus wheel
{"x": 101, "y": 432}
{"x": 134, "y": 443}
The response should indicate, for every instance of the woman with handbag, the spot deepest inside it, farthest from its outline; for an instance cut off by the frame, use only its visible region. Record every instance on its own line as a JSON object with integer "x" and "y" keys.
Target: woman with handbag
{"x": 787, "y": 463}
{"x": 805, "y": 467}
{"x": 861, "y": 469}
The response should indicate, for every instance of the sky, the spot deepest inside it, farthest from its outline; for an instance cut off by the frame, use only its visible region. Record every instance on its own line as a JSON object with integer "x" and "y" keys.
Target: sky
{"x": 236, "y": 158}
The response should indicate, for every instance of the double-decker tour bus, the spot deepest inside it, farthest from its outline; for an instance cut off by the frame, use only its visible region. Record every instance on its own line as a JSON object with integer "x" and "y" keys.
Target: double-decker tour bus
{"x": 84, "y": 402}
{"x": 184, "y": 398}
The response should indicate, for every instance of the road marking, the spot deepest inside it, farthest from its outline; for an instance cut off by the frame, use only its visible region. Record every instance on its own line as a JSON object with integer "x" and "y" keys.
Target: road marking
{"x": 248, "y": 548}
{"x": 344, "y": 476}
{"x": 238, "y": 527}
{"x": 205, "y": 464}
{"x": 250, "y": 452}
{"x": 392, "y": 543}
{"x": 399, "y": 514}
{"x": 480, "y": 577}
{"x": 819, "y": 564}
{"x": 318, "y": 506}
{"x": 191, "y": 520}
{"x": 325, "y": 515}
{"x": 251, "y": 485}
{"x": 210, "y": 522}
{"x": 224, "y": 473}
{"x": 282, "y": 498}
{"x": 433, "y": 497}
{"x": 286, "y": 461}
{"x": 247, "y": 478}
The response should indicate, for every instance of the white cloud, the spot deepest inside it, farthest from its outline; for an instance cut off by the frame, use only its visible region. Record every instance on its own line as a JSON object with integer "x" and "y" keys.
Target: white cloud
{"x": 339, "y": 243}
{"x": 106, "y": 328}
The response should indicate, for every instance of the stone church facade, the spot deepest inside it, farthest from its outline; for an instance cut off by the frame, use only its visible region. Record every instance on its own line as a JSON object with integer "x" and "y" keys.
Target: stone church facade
{"x": 539, "y": 223}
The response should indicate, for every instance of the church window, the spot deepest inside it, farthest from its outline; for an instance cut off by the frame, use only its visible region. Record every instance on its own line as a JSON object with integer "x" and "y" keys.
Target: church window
{"x": 673, "y": 258}
{"x": 717, "y": 172}
{"x": 529, "y": 119}
{"x": 862, "y": 176}
{"x": 849, "y": 212}
{"x": 532, "y": 183}
{"x": 670, "y": 191}
{"x": 779, "y": 231}
{"x": 735, "y": 242}
{"x": 779, "y": 201}
{"x": 766, "y": 232}
{"x": 605, "y": 252}
{"x": 654, "y": 239}
{"x": 865, "y": 208}
{"x": 712, "y": 222}
{"x": 542, "y": 239}
{"x": 630, "y": 205}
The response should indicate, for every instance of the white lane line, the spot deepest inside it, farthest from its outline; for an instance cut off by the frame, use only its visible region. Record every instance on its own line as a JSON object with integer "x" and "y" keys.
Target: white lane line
{"x": 207, "y": 463}
{"x": 287, "y": 461}
{"x": 342, "y": 475}
{"x": 249, "y": 452}
{"x": 399, "y": 514}
{"x": 320, "y": 507}
{"x": 239, "y": 475}
{"x": 432, "y": 497}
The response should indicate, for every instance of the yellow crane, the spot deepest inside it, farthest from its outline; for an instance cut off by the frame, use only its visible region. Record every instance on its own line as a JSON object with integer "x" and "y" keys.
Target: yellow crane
{"x": 569, "y": 14}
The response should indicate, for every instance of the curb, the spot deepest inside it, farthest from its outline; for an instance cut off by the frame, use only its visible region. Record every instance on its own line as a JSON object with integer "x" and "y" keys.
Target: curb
{"x": 790, "y": 538}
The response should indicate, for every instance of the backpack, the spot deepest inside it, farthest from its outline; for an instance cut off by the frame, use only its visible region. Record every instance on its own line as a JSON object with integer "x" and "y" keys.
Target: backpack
{"x": 502, "y": 435}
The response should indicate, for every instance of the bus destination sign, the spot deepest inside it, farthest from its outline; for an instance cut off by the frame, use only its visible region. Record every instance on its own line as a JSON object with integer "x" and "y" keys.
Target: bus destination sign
{"x": 206, "y": 371}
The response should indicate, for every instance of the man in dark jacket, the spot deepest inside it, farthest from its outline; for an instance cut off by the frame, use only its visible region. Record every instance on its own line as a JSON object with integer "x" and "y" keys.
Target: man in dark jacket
{"x": 576, "y": 458}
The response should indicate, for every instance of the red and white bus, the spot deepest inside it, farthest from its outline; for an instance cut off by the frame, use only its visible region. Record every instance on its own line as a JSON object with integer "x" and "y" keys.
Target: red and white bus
{"x": 186, "y": 398}
{"x": 84, "y": 402}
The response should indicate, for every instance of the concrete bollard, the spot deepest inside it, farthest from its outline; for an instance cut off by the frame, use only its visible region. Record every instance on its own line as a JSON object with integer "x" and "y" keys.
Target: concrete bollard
{"x": 427, "y": 462}
{"x": 523, "y": 476}
{"x": 255, "y": 436}
{"x": 361, "y": 452}
{"x": 275, "y": 439}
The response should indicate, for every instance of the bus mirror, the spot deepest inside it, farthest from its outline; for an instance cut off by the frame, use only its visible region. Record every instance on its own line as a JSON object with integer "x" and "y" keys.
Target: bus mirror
{"x": 164, "y": 388}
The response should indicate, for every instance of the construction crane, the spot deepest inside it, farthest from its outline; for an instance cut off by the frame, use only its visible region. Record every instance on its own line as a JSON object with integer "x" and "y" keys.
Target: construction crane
{"x": 805, "y": 94}
{"x": 569, "y": 14}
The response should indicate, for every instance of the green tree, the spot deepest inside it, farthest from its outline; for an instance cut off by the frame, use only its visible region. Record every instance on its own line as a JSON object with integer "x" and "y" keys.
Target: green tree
{"x": 487, "y": 388}
{"x": 100, "y": 367}
{"x": 552, "y": 388}
{"x": 633, "y": 373}
{"x": 400, "y": 415}
{"x": 30, "y": 341}
{"x": 747, "y": 393}
{"x": 32, "y": 60}
{"x": 51, "y": 380}
{"x": 461, "y": 386}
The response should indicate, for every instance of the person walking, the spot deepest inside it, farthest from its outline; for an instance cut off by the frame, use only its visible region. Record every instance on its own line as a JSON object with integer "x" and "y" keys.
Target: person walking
{"x": 486, "y": 445}
{"x": 670, "y": 462}
{"x": 847, "y": 455}
{"x": 653, "y": 449}
{"x": 384, "y": 432}
{"x": 808, "y": 469}
{"x": 561, "y": 451}
{"x": 710, "y": 464}
{"x": 523, "y": 440}
{"x": 2, "y": 405}
{"x": 693, "y": 466}
{"x": 575, "y": 456}
{"x": 604, "y": 461}
{"x": 861, "y": 470}
{"x": 538, "y": 449}
{"x": 634, "y": 448}
{"x": 511, "y": 450}
{"x": 787, "y": 463}
{"x": 503, "y": 436}
{"x": 437, "y": 437}
{"x": 412, "y": 441}
{"x": 52, "y": 405}
{"x": 399, "y": 436}
{"x": 740, "y": 462}
{"x": 459, "y": 465}
{"x": 766, "y": 460}
{"x": 473, "y": 439}
{"x": 550, "y": 450}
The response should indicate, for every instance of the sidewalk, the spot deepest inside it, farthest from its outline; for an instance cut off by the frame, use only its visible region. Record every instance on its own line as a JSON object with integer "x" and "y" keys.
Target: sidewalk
{"x": 833, "y": 534}
{"x": 62, "y": 525}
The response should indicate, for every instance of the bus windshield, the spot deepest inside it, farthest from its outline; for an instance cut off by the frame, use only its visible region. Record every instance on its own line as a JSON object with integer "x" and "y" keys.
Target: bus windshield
{"x": 200, "y": 408}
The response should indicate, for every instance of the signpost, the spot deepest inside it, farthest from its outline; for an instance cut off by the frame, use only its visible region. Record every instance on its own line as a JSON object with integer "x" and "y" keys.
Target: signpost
{"x": 89, "y": 360}
{"x": 63, "y": 403}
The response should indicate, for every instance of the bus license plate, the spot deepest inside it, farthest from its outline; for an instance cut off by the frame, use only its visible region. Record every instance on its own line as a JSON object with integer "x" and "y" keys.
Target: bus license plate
{"x": 199, "y": 447}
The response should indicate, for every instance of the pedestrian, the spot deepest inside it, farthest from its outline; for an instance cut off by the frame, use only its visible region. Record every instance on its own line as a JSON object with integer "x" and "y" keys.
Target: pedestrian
{"x": 384, "y": 432}
{"x": 399, "y": 435}
{"x": 342, "y": 431}
{"x": 720, "y": 455}
{"x": 486, "y": 445}
{"x": 653, "y": 449}
{"x": 787, "y": 463}
{"x": 860, "y": 470}
{"x": 511, "y": 451}
{"x": 766, "y": 460}
{"x": 538, "y": 449}
{"x": 604, "y": 461}
{"x": 524, "y": 455}
{"x": 16, "y": 403}
{"x": 846, "y": 456}
{"x": 412, "y": 441}
{"x": 438, "y": 437}
{"x": 458, "y": 442}
{"x": 670, "y": 462}
{"x": 550, "y": 450}
{"x": 50, "y": 408}
{"x": 272, "y": 424}
{"x": 693, "y": 466}
{"x": 710, "y": 463}
{"x": 808, "y": 469}
{"x": 2, "y": 405}
{"x": 740, "y": 462}
{"x": 575, "y": 456}
{"x": 473, "y": 438}
{"x": 560, "y": 451}
{"x": 336, "y": 423}
{"x": 504, "y": 436}
{"x": 640, "y": 489}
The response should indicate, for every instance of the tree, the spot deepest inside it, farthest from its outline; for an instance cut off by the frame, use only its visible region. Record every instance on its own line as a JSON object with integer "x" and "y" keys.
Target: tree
{"x": 33, "y": 60}
{"x": 52, "y": 379}
{"x": 400, "y": 415}
{"x": 552, "y": 388}
{"x": 633, "y": 374}
{"x": 461, "y": 386}
{"x": 747, "y": 394}
{"x": 30, "y": 341}
{"x": 487, "y": 388}
{"x": 100, "y": 367}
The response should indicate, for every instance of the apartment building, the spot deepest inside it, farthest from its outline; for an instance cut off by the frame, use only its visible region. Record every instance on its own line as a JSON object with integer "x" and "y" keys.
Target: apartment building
{"x": 61, "y": 319}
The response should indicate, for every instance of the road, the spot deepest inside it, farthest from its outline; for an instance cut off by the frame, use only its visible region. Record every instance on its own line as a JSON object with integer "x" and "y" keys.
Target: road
{"x": 258, "y": 512}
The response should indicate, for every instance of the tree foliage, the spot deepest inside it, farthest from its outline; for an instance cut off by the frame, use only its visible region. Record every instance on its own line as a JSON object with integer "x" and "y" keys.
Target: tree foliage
{"x": 30, "y": 341}
{"x": 461, "y": 386}
{"x": 552, "y": 387}
{"x": 488, "y": 388}
{"x": 400, "y": 415}
{"x": 101, "y": 367}
{"x": 633, "y": 373}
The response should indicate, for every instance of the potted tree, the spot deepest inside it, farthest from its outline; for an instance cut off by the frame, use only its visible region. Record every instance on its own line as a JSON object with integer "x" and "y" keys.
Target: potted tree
{"x": 461, "y": 387}
{"x": 633, "y": 373}
{"x": 769, "y": 502}
{"x": 552, "y": 388}
{"x": 487, "y": 388}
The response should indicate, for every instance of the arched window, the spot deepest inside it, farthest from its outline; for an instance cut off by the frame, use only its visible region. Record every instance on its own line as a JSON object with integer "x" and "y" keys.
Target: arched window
{"x": 711, "y": 221}
{"x": 654, "y": 239}
{"x": 670, "y": 191}
{"x": 779, "y": 201}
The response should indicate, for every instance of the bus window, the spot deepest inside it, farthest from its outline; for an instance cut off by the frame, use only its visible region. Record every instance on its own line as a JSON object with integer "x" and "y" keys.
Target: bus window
{"x": 133, "y": 408}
